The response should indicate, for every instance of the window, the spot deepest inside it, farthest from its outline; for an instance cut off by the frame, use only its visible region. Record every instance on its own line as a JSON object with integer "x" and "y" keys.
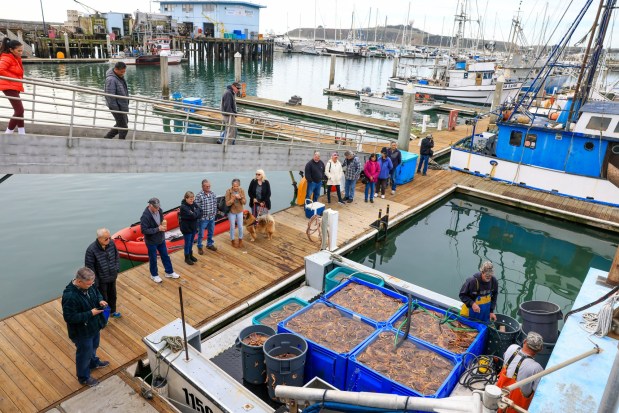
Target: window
{"x": 598, "y": 123}
{"x": 167, "y": 7}
{"x": 208, "y": 8}
{"x": 187, "y": 8}
{"x": 617, "y": 128}
{"x": 589, "y": 146}
{"x": 515, "y": 139}
{"x": 466, "y": 75}
{"x": 530, "y": 141}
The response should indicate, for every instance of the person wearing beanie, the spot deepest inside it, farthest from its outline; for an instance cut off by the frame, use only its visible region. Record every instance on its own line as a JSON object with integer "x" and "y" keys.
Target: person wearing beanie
{"x": 479, "y": 294}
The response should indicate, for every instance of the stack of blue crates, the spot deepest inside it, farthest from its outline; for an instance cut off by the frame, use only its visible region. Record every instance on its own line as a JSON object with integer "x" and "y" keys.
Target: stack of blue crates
{"x": 405, "y": 172}
{"x": 193, "y": 128}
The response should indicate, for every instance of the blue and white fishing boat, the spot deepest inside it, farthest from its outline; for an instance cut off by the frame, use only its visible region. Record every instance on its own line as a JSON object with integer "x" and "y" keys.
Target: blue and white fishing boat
{"x": 576, "y": 155}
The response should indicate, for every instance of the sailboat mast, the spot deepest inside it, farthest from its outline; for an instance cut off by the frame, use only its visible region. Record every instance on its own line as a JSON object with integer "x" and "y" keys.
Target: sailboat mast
{"x": 315, "y": 21}
{"x": 406, "y": 24}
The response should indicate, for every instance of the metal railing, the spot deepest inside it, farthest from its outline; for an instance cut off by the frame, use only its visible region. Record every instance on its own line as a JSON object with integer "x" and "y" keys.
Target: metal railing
{"x": 58, "y": 104}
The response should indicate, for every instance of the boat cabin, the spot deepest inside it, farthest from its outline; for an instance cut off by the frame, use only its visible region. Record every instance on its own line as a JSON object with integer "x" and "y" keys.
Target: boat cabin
{"x": 471, "y": 74}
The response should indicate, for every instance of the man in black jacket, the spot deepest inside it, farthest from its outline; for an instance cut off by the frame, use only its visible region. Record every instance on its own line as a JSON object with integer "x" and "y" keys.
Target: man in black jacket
{"x": 314, "y": 172}
{"x": 228, "y": 111}
{"x": 115, "y": 84}
{"x": 426, "y": 152}
{"x": 82, "y": 308}
{"x": 153, "y": 228}
{"x": 102, "y": 258}
{"x": 396, "y": 158}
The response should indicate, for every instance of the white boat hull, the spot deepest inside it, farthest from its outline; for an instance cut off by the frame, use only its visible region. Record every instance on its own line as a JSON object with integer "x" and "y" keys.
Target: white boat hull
{"x": 397, "y": 103}
{"x": 557, "y": 182}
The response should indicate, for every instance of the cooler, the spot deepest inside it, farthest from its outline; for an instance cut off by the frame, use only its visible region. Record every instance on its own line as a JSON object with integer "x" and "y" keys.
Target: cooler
{"x": 313, "y": 208}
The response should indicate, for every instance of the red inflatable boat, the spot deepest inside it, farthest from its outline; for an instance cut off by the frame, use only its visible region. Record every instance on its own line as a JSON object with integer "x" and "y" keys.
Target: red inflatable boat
{"x": 130, "y": 241}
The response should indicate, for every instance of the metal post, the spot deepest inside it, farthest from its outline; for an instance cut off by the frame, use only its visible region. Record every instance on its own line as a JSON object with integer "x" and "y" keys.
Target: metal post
{"x": 180, "y": 296}
{"x": 610, "y": 398}
{"x": 66, "y": 45}
{"x": 237, "y": 67}
{"x": 34, "y": 100}
{"x": 396, "y": 63}
{"x": 72, "y": 115}
{"x": 496, "y": 99}
{"x": 109, "y": 45}
{"x": 406, "y": 119}
{"x": 165, "y": 77}
{"x": 332, "y": 71}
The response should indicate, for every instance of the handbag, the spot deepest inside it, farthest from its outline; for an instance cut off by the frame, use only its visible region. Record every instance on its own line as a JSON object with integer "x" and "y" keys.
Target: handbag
{"x": 221, "y": 205}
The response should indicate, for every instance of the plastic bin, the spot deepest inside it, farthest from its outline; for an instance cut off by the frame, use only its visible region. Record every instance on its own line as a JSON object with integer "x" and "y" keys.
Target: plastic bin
{"x": 252, "y": 357}
{"x": 340, "y": 274}
{"x": 478, "y": 345}
{"x": 192, "y": 101}
{"x": 263, "y": 315}
{"x": 389, "y": 293}
{"x": 498, "y": 341}
{"x": 288, "y": 371}
{"x": 362, "y": 378}
{"x": 405, "y": 172}
{"x": 321, "y": 361}
{"x": 542, "y": 317}
{"x": 313, "y": 208}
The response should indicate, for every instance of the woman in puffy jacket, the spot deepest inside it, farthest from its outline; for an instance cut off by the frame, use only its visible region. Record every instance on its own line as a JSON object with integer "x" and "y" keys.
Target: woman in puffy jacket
{"x": 335, "y": 174}
{"x": 371, "y": 171}
{"x": 189, "y": 214}
{"x": 11, "y": 66}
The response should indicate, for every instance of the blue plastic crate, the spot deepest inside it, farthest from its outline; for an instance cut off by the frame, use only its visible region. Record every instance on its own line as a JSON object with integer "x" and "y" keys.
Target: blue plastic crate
{"x": 405, "y": 172}
{"x": 360, "y": 377}
{"x": 339, "y": 274}
{"x": 477, "y": 346}
{"x": 194, "y": 129}
{"x": 381, "y": 323}
{"x": 321, "y": 361}
{"x": 192, "y": 101}
{"x": 259, "y": 318}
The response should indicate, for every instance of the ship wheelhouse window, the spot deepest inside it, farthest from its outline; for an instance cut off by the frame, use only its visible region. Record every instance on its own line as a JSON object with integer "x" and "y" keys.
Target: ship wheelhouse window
{"x": 515, "y": 138}
{"x": 598, "y": 123}
{"x": 530, "y": 141}
{"x": 589, "y": 146}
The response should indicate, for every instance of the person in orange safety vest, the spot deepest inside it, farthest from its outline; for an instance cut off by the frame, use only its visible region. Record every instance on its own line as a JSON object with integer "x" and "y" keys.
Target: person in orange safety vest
{"x": 519, "y": 365}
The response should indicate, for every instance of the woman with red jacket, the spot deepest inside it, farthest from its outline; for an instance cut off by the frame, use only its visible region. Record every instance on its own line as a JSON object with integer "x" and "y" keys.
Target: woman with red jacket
{"x": 371, "y": 171}
{"x": 11, "y": 66}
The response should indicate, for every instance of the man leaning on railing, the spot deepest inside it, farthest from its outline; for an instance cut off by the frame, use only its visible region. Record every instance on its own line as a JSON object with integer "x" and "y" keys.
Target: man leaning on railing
{"x": 115, "y": 84}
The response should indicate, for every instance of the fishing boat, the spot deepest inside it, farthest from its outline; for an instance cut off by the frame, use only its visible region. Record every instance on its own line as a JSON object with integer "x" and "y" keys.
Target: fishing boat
{"x": 575, "y": 153}
{"x": 130, "y": 241}
{"x": 422, "y": 103}
{"x": 155, "y": 47}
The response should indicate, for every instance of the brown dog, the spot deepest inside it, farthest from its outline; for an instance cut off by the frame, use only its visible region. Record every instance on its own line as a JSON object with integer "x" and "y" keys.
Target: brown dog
{"x": 265, "y": 224}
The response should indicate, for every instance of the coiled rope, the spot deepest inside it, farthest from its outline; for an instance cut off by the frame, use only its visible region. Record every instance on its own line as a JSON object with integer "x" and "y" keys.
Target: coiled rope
{"x": 601, "y": 323}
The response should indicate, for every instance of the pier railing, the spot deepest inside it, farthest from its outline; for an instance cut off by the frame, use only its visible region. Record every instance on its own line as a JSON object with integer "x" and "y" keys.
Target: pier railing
{"x": 76, "y": 108}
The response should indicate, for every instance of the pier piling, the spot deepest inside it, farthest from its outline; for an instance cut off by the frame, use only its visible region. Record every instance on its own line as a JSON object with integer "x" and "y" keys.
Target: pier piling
{"x": 237, "y": 67}
{"x": 396, "y": 63}
{"x": 66, "y": 45}
{"x": 165, "y": 77}
{"x": 496, "y": 99}
{"x": 332, "y": 71}
{"x": 408, "y": 104}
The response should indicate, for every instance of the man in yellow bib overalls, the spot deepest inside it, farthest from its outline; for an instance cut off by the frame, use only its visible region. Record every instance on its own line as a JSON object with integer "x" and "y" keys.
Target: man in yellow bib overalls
{"x": 479, "y": 293}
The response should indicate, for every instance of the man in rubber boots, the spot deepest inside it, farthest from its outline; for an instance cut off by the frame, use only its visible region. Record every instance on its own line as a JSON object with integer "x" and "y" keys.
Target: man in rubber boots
{"x": 479, "y": 294}
{"x": 520, "y": 365}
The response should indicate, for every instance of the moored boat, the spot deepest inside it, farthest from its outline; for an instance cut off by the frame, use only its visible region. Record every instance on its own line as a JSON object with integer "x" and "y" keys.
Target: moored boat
{"x": 422, "y": 103}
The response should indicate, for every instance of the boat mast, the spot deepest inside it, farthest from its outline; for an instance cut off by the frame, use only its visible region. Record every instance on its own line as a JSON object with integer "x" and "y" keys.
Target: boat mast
{"x": 406, "y": 24}
{"x": 315, "y": 22}
{"x": 376, "y": 26}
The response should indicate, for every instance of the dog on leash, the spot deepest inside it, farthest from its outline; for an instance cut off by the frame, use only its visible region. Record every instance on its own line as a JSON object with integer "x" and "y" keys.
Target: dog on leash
{"x": 264, "y": 224}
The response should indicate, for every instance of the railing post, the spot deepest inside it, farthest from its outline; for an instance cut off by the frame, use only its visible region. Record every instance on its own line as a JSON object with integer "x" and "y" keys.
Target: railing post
{"x": 186, "y": 128}
{"x": 34, "y": 100}
{"x": 135, "y": 127}
{"x": 94, "y": 116}
{"x": 72, "y": 115}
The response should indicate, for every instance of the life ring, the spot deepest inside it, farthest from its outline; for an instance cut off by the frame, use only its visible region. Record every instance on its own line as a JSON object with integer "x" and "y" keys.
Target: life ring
{"x": 553, "y": 115}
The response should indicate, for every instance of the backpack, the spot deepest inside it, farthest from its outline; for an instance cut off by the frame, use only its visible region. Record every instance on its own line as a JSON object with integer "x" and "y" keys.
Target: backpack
{"x": 221, "y": 205}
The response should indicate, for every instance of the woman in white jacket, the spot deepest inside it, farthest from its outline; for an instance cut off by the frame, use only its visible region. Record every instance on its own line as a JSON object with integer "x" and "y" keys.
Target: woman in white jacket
{"x": 335, "y": 174}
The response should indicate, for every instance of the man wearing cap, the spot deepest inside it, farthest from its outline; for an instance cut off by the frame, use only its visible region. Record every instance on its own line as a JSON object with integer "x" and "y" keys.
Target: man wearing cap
{"x": 334, "y": 174}
{"x": 154, "y": 227}
{"x": 519, "y": 365}
{"x": 479, "y": 294}
{"x": 426, "y": 152}
{"x": 396, "y": 159}
{"x": 228, "y": 111}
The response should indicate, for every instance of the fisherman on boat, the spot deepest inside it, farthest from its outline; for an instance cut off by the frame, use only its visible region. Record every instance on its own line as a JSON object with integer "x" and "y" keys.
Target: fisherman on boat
{"x": 520, "y": 365}
{"x": 479, "y": 294}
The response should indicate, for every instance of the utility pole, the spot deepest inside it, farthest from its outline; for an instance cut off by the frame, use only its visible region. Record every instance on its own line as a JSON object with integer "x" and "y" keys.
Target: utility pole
{"x": 43, "y": 16}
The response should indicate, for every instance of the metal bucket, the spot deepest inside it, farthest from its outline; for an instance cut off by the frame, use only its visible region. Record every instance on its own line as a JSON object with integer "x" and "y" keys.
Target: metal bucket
{"x": 542, "y": 317}
{"x": 499, "y": 341}
{"x": 252, "y": 357}
{"x": 289, "y": 371}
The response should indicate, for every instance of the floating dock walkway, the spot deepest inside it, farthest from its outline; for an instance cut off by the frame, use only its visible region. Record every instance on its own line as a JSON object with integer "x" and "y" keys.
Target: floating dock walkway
{"x": 37, "y": 367}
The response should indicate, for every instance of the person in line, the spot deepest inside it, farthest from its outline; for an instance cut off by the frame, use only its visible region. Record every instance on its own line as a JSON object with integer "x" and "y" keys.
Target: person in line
{"x": 385, "y": 171}
{"x": 479, "y": 294}
{"x": 235, "y": 200}
{"x": 103, "y": 259}
{"x": 82, "y": 308}
{"x": 228, "y": 111}
{"x": 115, "y": 84}
{"x": 396, "y": 159}
{"x": 154, "y": 227}
{"x": 189, "y": 215}
{"x": 207, "y": 201}
{"x": 259, "y": 192}
{"x": 426, "y": 152}
{"x": 520, "y": 365}
{"x": 334, "y": 173}
{"x": 11, "y": 66}
{"x": 371, "y": 169}
{"x": 314, "y": 173}
{"x": 352, "y": 172}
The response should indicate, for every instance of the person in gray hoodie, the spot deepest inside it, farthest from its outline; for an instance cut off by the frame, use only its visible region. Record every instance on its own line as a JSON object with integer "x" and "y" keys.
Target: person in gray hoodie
{"x": 228, "y": 112}
{"x": 115, "y": 84}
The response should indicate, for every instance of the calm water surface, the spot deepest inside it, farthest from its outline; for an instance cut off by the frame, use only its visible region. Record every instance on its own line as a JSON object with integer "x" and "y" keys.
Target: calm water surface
{"x": 535, "y": 257}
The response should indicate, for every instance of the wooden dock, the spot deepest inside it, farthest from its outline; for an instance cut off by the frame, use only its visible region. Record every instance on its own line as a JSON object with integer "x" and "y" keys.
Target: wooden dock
{"x": 37, "y": 368}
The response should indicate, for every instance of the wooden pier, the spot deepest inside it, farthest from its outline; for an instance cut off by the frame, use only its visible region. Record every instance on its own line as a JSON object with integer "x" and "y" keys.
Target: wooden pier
{"x": 37, "y": 368}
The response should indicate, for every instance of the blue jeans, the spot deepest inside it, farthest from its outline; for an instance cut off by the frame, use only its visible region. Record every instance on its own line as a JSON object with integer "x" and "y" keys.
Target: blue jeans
{"x": 165, "y": 258}
{"x": 188, "y": 239}
{"x": 313, "y": 190}
{"x": 392, "y": 176}
{"x": 423, "y": 161}
{"x": 369, "y": 190}
{"x": 349, "y": 188}
{"x": 236, "y": 219}
{"x": 86, "y": 356}
{"x": 209, "y": 225}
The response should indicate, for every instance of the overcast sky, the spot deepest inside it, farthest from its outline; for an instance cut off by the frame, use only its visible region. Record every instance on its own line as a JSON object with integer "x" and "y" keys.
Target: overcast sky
{"x": 434, "y": 16}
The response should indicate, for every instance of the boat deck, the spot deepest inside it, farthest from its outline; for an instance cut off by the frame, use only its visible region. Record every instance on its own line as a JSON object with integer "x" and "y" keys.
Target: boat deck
{"x": 37, "y": 368}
